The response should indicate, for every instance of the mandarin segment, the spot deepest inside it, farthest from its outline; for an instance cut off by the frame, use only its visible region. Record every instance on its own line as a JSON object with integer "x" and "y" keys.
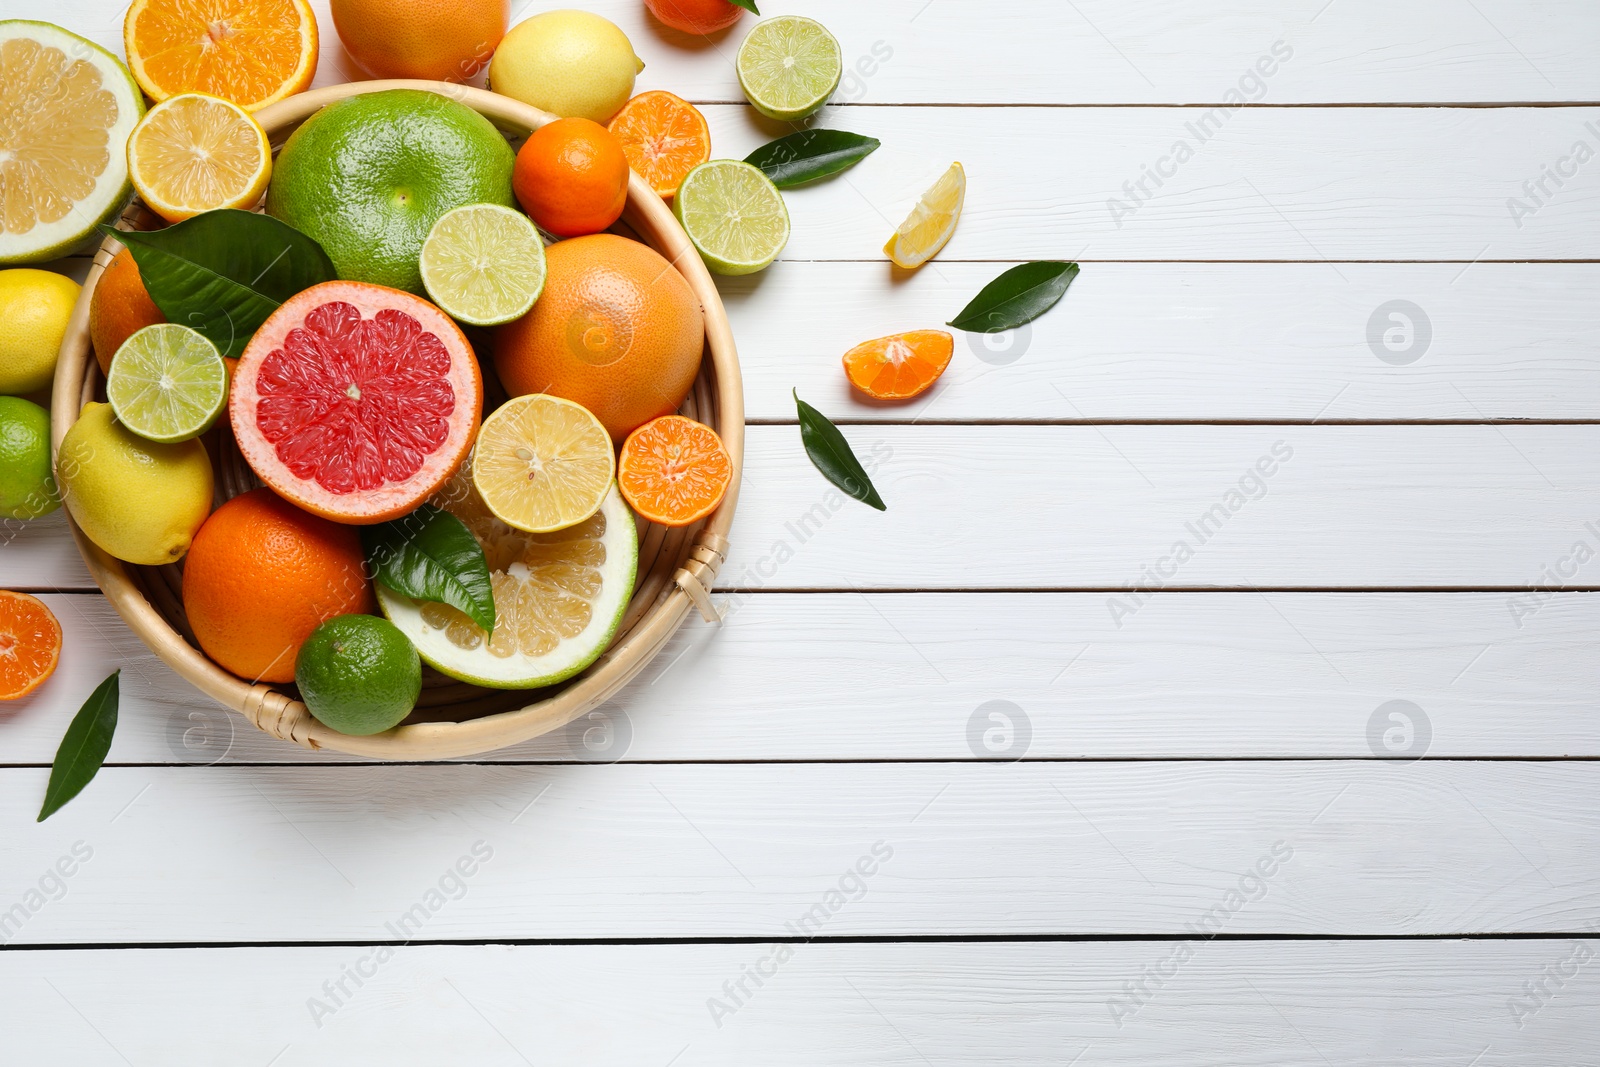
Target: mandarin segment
{"x": 901, "y": 365}
{"x": 30, "y": 644}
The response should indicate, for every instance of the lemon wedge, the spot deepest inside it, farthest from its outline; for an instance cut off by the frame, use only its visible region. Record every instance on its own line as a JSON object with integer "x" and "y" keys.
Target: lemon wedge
{"x": 931, "y": 223}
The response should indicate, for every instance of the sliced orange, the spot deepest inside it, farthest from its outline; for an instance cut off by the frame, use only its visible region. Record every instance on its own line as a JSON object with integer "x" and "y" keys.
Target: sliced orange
{"x": 195, "y": 153}
{"x": 900, "y": 365}
{"x": 253, "y": 52}
{"x": 30, "y": 644}
{"x": 674, "y": 471}
{"x": 664, "y": 138}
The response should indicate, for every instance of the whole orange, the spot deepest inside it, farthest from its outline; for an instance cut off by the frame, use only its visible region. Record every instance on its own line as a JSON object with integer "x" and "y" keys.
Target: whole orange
{"x": 119, "y": 308}
{"x": 572, "y": 177}
{"x": 617, "y": 330}
{"x": 695, "y": 16}
{"x": 261, "y": 575}
{"x": 445, "y": 40}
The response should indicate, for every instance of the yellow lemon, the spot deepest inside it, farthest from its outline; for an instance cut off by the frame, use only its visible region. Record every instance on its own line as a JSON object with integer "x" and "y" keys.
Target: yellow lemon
{"x": 569, "y": 63}
{"x": 34, "y": 308}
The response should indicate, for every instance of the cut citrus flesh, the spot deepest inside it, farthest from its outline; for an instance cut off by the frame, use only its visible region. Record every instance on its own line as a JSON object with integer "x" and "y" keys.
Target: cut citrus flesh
{"x": 484, "y": 264}
{"x": 66, "y": 109}
{"x": 664, "y": 137}
{"x": 543, "y": 463}
{"x": 931, "y": 223}
{"x": 253, "y": 52}
{"x": 168, "y": 383}
{"x": 558, "y": 597}
{"x": 900, "y": 365}
{"x": 733, "y": 215}
{"x": 356, "y": 401}
{"x": 789, "y": 66}
{"x": 30, "y": 644}
{"x": 195, "y": 153}
{"x": 674, "y": 471}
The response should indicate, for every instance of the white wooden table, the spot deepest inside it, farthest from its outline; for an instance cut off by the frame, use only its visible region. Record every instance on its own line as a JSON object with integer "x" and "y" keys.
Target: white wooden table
{"x": 994, "y": 777}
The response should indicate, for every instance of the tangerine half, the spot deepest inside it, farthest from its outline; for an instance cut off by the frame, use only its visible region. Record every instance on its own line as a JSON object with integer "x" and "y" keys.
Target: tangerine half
{"x": 901, "y": 365}
{"x": 674, "y": 471}
{"x": 664, "y": 137}
{"x": 30, "y": 644}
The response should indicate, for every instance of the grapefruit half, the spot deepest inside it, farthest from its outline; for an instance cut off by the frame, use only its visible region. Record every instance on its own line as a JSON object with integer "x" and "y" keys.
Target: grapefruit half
{"x": 356, "y": 401}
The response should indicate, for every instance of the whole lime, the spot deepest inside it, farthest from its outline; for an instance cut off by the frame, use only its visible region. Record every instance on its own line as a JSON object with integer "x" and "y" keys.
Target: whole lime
{"x": 368, "y": 176}
{"x": 27, "y": 489}
{"x": 358, "y": 674}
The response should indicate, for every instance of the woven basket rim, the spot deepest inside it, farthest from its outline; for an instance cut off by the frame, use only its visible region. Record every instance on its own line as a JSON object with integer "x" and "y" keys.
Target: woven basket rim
{"x": 685, "y": 563}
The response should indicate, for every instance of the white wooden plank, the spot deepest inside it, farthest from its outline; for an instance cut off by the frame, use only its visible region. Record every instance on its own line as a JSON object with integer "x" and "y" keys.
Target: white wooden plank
{"x": 632, "y": 851}
{"x": 1101, "y": 52}
{"x": 1290, "y": 1004}
{"x": 1093, "y": 506}
{"x": 1302, "y": 184}
{"x": 40, "y": 554}
{"x": 1263, "y": 342}
{"x": 829, "y": 677}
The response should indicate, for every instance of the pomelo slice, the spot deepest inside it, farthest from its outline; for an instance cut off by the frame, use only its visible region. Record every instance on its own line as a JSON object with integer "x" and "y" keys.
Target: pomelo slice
{"x": 558, "y": 597}
{"x": 66, "y": 109}
{"x": 356, "y": 401}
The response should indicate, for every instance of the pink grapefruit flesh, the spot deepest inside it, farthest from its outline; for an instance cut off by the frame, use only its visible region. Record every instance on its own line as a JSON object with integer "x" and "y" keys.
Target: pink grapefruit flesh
{"x": 356, "y": 401}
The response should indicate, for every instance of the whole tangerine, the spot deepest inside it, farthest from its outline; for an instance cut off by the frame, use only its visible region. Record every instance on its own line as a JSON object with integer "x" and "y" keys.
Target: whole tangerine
{"x": 617, "y": 330}
{"x": 119, "y": 308}
{"x": 695, "y": 16}
{"x": 440, "y": 40}
{"x": 571, "y": 176}
{"x": 262, "y": 575}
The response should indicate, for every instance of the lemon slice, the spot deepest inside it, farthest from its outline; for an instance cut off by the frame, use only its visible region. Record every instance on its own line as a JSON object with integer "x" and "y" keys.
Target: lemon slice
{"x": 195, "y": 153}
{"x": 931, "y": 223}
{"x": 734, "y": 216}
{"x": 789, "y": 66}
{"x": 543, "y": 463}
{"x": 66, "y": 109}
{"x": 168, "y": 383}
{"x": 483, "y": 264}
{"x": 558, "y": 597}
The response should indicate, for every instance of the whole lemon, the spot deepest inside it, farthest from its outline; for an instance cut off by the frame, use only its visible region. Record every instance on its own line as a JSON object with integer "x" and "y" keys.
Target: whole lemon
{"x": 569, "y": 63}
{"x": 139, "y": 501}
{"x": 34, "y": 308}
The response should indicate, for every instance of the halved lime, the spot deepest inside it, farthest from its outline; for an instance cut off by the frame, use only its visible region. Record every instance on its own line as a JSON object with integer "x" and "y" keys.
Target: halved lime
{"x": 484, "y": 264}
{"x": 734, "y": 215}
{"x": 558, "y": 597}
{"x": 167, "y": 383}
{"x": 789, "y": 66}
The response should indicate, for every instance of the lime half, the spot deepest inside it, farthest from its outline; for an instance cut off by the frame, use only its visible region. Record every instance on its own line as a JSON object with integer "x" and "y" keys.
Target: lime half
{"x": 167, "y": 383}
{"x": 483, "y": 264}
{"x": 789, "y": 66}
{"x": 734, "y": 215}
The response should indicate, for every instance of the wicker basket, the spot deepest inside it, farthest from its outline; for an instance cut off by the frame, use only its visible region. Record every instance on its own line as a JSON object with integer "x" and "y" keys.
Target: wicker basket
{"x": 676, "y": 567}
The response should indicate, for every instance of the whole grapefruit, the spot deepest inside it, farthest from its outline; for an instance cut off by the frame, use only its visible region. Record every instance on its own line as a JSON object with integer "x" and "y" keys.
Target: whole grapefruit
{"x": 356, "y": 401}
{"x": 617, "y": 330}
{"x": 262, "y": 575}
{"x": 441, "y": 40}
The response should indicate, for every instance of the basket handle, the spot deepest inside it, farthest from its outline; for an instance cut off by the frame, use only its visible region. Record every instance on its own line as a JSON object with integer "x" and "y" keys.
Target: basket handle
{"x": 699, "y": 572}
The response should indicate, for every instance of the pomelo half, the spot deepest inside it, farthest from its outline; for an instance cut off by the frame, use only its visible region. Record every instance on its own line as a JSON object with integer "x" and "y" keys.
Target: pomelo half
{"x": 356, "y": 401}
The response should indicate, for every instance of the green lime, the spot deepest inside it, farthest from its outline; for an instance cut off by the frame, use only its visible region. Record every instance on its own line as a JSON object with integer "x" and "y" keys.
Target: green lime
{"x": 358, "y": 674}
{"x": 789, "y": 66}
{"x": 168, "y": 383}
{"x": 484, "y": 264}
{"x": 369, "y": 175}
{"x": 734, "y": 215}
{"x": 27, "y": 489}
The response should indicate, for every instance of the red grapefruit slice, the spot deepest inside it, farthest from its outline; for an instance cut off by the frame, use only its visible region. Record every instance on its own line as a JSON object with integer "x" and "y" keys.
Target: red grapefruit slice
{"x": 356, "y": 401}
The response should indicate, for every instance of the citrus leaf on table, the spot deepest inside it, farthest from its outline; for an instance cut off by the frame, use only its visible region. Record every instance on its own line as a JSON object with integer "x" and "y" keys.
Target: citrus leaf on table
{"x": 431, "y": 555}
{"x": 832, "y": 455}
{"x": 83, "y": 747}
{"x": 1017, "y": 297}
{"x": 804, "y": 157}
{"x": 222, "y": 273}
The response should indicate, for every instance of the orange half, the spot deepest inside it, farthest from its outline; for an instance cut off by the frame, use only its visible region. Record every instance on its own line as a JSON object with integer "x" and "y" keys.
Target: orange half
{"x": 901, "y": 365}
{"x": 674, "y": 471}
{"x": 252, "y": 52}
{"x": 30, "y": 644}
{"x": 664, "y": 138}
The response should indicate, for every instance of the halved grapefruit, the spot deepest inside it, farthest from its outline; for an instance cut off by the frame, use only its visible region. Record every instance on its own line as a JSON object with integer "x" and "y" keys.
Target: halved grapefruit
{"x": 356, "y": 401}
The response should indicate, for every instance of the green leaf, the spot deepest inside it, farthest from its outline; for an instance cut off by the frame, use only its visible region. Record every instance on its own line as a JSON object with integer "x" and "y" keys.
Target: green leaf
{"x": 748, "y": 5}
{"x": 810, "y": 154}
{"x": 431, "y": 555}
{"x": 84, "y": 747}
{"x": 224, "y": 272}
{"x": 1018, "y": 296}
{"x": 833, "y": 457}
